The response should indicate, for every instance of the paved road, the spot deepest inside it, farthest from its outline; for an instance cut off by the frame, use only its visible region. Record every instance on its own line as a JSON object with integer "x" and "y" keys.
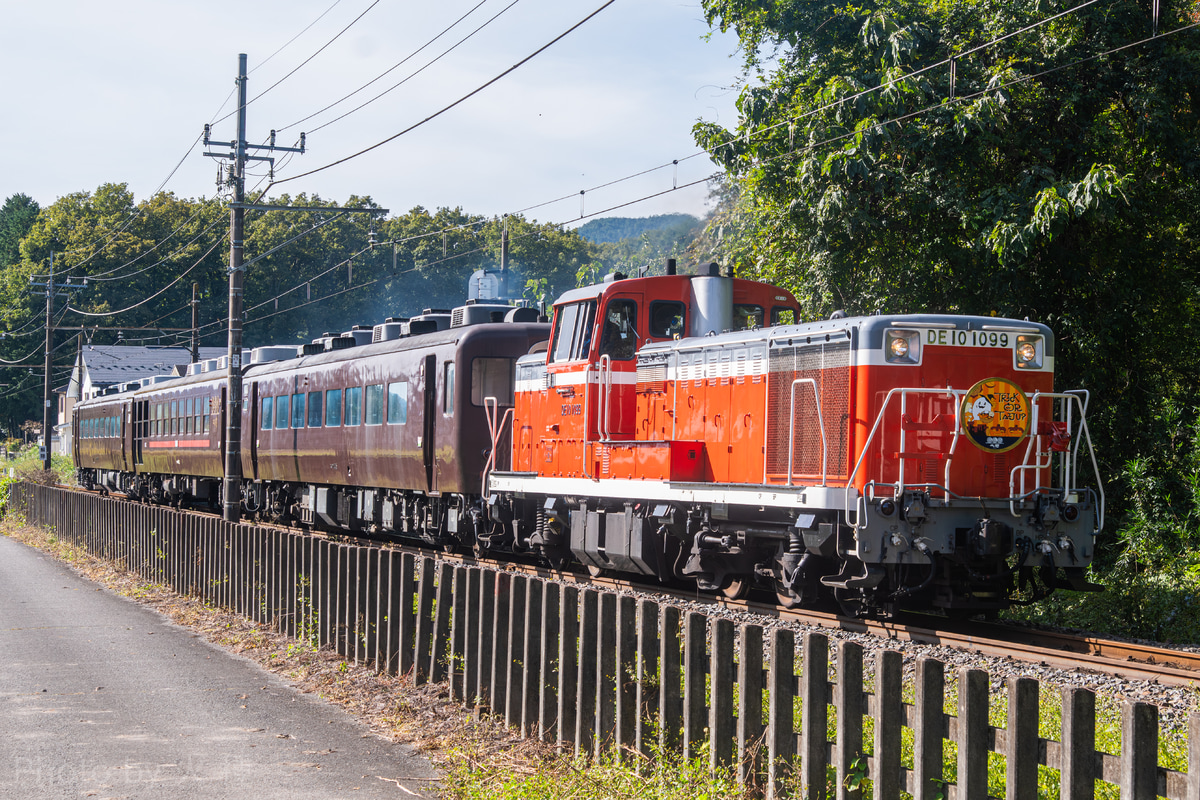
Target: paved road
{"x": 101, "y": 697}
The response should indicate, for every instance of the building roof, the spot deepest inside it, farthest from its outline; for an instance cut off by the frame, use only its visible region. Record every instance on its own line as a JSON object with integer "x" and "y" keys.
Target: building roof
{"x": 106, "y": 365}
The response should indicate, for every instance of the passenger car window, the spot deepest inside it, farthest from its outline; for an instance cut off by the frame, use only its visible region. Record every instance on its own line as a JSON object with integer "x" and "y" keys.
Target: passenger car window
{"x": 282, "y": 404}
{"x": 268, "y": 405}
{"x": 353, "y": 406}
{"x": 375, "y": 404}
{"x": 333, "y": 408}
{"x": 492, "y": 377}
{"x": 315, "y": 411}
{"x": 297, "y": 411}
{"x": 397, "y": 409}
{"x": 448, "y": 389}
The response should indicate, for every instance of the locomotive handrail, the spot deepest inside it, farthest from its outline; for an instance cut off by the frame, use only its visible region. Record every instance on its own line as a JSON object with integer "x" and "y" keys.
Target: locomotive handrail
{"x": 604, "y": 381}
{"x": 861, "y": 497}
{"x": 1069, "y": 466}
{"x": 820, "y": 424}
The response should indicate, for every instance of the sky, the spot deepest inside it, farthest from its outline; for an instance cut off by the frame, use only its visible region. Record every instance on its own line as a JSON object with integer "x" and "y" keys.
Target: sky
{"x": 119, "y": 91}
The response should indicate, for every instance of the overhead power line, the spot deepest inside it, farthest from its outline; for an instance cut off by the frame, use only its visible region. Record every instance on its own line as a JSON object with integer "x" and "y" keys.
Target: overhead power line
{"x": 456, "y": 103}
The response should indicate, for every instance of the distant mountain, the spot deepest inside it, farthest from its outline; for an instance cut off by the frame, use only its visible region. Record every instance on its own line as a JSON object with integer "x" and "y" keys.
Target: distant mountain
{"x": 616, "y": 229}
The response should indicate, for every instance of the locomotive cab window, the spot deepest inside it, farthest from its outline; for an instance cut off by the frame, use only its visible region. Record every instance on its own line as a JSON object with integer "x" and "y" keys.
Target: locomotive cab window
{"x": 782, "y": 315}
{"x": 620, "y": 330}
{"x": 397, "y": 403}
{"x": 573, "y": 327}
{"x": 492, "y": 377}
{"x": 747, "y": 316}
{"x": 667, "y": 319}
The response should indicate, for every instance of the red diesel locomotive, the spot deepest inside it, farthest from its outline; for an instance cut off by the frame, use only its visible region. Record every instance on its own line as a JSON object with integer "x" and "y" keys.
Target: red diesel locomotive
{"x": 681, "y": 427}
{"x": 675, "y": 428}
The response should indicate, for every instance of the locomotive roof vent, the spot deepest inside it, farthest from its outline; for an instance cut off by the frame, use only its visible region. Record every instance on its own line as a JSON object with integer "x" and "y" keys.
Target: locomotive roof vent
{"x": 208, "y": 365}
{"x": 193, "y": 368}
{"x": 361, "y": 333}
{"x": 392, "y": 329}
{"x": 436, "y": 311}
{"x": 340, "y": 342}
{"x": 615, "y": 276}
{"x": 476, "y": 313}
{"x": 222, "y": 363}
{"x": 263, "y": 355}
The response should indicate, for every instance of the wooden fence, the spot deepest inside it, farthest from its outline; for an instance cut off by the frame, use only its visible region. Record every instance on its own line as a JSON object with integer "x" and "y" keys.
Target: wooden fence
{"x": 597, "y": 672}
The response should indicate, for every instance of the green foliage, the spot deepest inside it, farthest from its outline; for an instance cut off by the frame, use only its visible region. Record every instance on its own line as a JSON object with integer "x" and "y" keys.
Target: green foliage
{"x": 662, "y": 778}
{"x": 1049, "y": 182}
{"x": 16, "y": 218}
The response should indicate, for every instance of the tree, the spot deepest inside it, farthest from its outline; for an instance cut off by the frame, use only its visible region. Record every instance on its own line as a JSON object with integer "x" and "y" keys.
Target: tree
{"x": 1053, "y": 174}
{"x": 16, "y": 218}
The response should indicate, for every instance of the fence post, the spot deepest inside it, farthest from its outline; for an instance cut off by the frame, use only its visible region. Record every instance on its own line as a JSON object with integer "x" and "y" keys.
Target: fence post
{"x": 849, "y": 703}
{"x": 471, "y": 640}
{"x": 514, "y": 674}
{"x": 373, "y": 622}
{"x": 889, "y": 716}
{"x": 670, "y": 699}
{"x": 695, "y": 671}
{"x": 406, "y": 617}
{"x": 458, "y": 637}
{"x": 749, "y": 714}
{"x": 1020, "y": 776}
{"x": 973, "y": 732}
{"x": 814, "y": 715}
{"x": 1077, "y": 762}
{"x": 551, "y": 630}
{"x": 1193, "y": 775}
{"x": 498, "y": 668}
{"x": 780, "y": 721}
{"x": 487, "y": 612}
{"x": 627, "y": 676}
{"x": 585, "y": 718}
{"x": 1139, "y": 751}
{"x": 568, "y": 668}
{"x": 929, "y": 729}
{"x": 532, "y": 677}
{"x": 440, "y": 666}
{"x": 424, "y": 630}
{"x": 720, "y": 712}
{"x": 606, "y": 677}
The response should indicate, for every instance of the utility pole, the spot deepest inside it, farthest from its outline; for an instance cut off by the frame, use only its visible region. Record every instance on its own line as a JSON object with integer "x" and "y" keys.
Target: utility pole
{"x": 232, "y": 489}
{"x": 195, "y": 322}
{"x": 236, "y": 177}
{"x": 48, "y": 409}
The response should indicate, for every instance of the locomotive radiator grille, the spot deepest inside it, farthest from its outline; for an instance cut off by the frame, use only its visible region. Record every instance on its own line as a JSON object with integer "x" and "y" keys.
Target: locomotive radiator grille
{"x": 828, "y": 364}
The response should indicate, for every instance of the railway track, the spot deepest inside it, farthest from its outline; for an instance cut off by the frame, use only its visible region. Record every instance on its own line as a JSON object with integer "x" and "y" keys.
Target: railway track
{"x": 1056, "y": 649}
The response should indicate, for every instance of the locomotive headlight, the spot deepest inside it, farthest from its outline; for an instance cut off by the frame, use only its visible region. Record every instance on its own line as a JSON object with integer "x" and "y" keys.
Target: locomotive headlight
{"x": 902, "y": 347}
{"x": 1029, "y": 351}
